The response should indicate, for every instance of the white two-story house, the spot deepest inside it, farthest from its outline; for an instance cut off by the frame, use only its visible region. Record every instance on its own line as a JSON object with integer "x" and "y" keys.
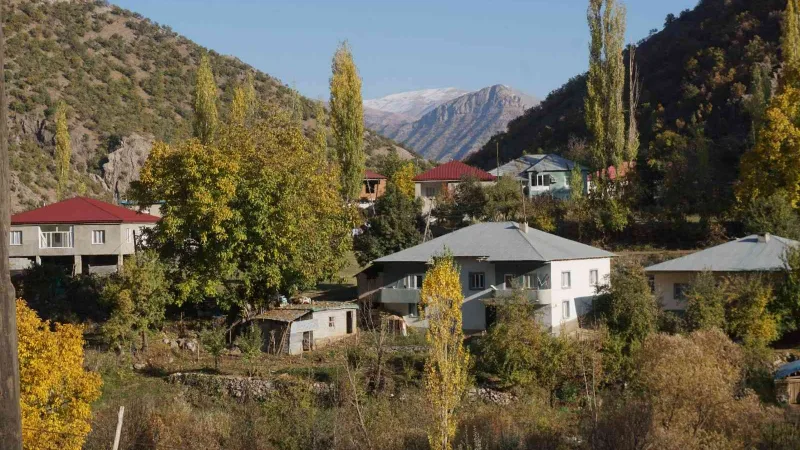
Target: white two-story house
{"x": 543, "y": 174}
{"x": 83, "y": 235}
{"x": 495, "y": 258}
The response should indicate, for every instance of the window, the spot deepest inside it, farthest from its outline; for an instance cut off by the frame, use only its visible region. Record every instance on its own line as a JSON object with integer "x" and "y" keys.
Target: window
{"x": 651, "y": 281}
{"x": 129, "y": 234}
{"x": 98, "y": 236}
{"x": 413, "y": 309}
{"x": 16, "y": 238}
{"x": 414, "y": 281}
{"x": 331, "y": 322}
{"x": 541, "y": 179}
{"x": 429, "y": 191}
{"x": 566, "y": 280}
{"x": 508, "y": 281}
{"x": 593, "y": 278}
{"x": 565, "y": 311}
{"x": 526, "y": 282}
{"x": 477, "y": 280}
{"x": 679, "y": 291}
{"x": 55, "y": 236}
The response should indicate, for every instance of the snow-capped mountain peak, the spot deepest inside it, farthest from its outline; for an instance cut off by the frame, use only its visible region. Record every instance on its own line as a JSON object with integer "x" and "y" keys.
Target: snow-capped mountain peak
{"x": 414, "y": 104}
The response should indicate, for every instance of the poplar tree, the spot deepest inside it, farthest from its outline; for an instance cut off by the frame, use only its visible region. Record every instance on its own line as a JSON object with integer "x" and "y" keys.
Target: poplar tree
{"x": 446, "y": 368}
{"x": 321, "y": 128}
{"x": 205, "y": 102}
{"x": 243, "y": 104}
{"x": 347, "y": 121}
{"x": 605, "y": 83}
{"x": 790, "y": 43}
{"x": 63, "y": 151}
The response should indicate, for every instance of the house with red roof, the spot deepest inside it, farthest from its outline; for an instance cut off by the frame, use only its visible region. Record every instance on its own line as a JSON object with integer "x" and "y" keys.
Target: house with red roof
{"x": 445, "y": 177}
{"x": 374, "y": 186}
{"x": 82, "y": 234}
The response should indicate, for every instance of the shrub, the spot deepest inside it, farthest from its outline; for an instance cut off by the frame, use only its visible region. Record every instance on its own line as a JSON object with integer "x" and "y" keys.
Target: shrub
{"x": 250, "y": 342}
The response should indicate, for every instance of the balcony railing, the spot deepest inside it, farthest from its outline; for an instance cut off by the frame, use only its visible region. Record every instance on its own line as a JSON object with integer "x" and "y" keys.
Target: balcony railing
{"x": 542, "y": 296}
{"x": 391, "y": 295}
{"x": 55, "y": 239}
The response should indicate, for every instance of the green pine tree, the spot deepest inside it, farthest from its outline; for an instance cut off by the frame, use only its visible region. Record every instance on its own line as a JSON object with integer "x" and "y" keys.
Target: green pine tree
{"x": 205, "y": 102}
{"x": 63, "y": 151}
{"x": 347, "y": 121}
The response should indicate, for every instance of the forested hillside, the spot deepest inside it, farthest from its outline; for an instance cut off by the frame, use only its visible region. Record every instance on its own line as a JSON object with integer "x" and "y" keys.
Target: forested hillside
{"x": 694, "y": 119}
{"x": 126, "y": 82}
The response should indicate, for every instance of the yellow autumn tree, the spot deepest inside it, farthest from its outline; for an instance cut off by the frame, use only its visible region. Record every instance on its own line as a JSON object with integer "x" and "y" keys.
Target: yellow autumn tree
{"x": 773, "y": 164}
{"x": 205, "y": 102}
{"x": 403, "y": 178}
{"x": 448, "y": 361}
{"x": 56, "y": 391}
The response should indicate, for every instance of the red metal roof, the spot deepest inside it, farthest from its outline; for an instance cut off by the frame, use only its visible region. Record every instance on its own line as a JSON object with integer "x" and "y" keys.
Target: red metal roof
{"x": 453, "y": 171}
{"x": 81, "y": 210}
{"x": 370, "y": 175}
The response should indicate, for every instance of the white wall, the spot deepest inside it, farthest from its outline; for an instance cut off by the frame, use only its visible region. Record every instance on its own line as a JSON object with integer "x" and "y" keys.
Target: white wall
{"x": 325, "y": 332}
{"x": 115, "y": 244}
{"x": 664, "y": 288}
{"x": 473, "y": 311}
{"x": 581, "y": 291}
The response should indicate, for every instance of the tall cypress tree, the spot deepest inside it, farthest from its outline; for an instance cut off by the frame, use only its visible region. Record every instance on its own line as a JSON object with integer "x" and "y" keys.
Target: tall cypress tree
{"x": 63, "y": 151}
{"x": 205, "y": 102}
{"x": 347, "y": 120}
{"x": 593, "y": 103}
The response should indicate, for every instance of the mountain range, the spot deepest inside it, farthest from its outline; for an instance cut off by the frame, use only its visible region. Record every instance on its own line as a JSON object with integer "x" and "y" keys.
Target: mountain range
{"x": 448, "y": 123}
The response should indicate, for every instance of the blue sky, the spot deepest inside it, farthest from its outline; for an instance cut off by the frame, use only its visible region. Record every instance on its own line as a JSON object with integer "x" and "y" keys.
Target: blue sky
{"x": 402, "y": 45}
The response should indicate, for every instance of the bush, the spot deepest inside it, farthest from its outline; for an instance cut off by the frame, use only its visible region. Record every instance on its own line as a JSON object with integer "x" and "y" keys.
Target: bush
{"x": 214, "y": 341}
{"x": 250, "y": 343}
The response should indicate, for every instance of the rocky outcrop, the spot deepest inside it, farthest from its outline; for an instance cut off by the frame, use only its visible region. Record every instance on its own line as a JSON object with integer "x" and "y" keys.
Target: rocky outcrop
{"x": 244, "y": 387}
{"x": 126, "y": 161}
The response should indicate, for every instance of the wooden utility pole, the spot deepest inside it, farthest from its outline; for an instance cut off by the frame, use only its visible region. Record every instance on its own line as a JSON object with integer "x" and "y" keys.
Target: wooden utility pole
{"x": 10, "y": 421}
{"x": 119, "y": 427}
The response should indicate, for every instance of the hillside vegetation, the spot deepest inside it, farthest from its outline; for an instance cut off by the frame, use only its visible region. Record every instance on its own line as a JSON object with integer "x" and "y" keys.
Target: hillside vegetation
{"x": 693, "y": 117}
{"x": 124, "y": 78}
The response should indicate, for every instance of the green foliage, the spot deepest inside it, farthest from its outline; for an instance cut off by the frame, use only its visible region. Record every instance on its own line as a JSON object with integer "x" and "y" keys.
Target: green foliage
{"x": 772, "y": 214}
{"x": 57, "y": 296}
{"x": 347, "y": 120}
{"x": 626, "y": 306}
{"x": 748, "y": 318}
{"x": 250, "y": 342}
{"x": 214, "y": 342}
{"x": 786, "y": 305}
{"x": 521, "y": 352}
{"x": 466, "y": 203}
{"x": 63, "y": 151}
{"x": 395, "y": 226}
{"x": 138, "y": 294}
{"x": 705, "y": 303}
{"x": 503, "y": 199}
{"x": 253, "y": 215}
{"x": 576, "y": 183}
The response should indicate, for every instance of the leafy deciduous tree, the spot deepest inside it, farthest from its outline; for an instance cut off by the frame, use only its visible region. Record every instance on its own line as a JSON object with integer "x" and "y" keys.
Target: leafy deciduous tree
{"x": 446, "y": 368}
{"x": 705, "y": 303}
{"x": 395, "y": 226}
{"x": 403, "y": 178}
{"x": 56, "y": 391}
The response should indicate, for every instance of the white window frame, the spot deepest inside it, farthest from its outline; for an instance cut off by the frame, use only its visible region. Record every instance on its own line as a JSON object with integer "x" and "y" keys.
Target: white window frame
{"x": 331, "y": 322}
{"x": 12, "y": 234}
{"x": 568, "y": 285}
{"x": 566, "y": 309}
{"x": 474, "y": 277}
{"x": 526, "y": 281}
{"x": 429, "y": 191}
{"x": 96, "y": 235}
{"x": 594, "y": 273}
{"x": 129, "y": 235}
{"x": 411, "y": 281}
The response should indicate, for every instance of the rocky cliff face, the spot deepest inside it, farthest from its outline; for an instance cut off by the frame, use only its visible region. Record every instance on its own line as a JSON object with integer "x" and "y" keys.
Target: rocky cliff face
{"x": 458, "y": 127}
{"x": 124, "y": 164}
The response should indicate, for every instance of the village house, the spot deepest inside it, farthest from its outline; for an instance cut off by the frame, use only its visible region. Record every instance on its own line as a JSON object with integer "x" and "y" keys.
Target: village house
{"x": 81, "y": 234}
{"x": 759, "y": 253}
{"x": 543, "y": 174}
{"x": 495, "y": 258}
{"x": 297, "y": 328}
{"x": 373, "y": 187}
{"x": 445, "y": 177}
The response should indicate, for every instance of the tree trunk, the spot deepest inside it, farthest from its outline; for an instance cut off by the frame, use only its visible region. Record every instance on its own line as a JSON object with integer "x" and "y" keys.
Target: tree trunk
{"x": 144, "y": 339}
{"x": 10, "y": 421}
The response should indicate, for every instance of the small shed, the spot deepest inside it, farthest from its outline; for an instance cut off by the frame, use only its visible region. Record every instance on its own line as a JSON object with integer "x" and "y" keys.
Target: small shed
{"x": 787, "y": 383}
{"x": 295, "y": 329}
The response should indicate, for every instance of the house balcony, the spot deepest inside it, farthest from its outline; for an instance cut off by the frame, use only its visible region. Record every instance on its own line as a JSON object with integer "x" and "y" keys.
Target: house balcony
{"x": 539, "y": 296}
{"x": 397, "y": 295}
{"x": 55, "y": 239}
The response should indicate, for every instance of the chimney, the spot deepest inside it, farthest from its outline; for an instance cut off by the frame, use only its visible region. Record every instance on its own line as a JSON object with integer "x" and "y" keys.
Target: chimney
{"x": 763, "y": 238}
{"x": 523, "y": 227}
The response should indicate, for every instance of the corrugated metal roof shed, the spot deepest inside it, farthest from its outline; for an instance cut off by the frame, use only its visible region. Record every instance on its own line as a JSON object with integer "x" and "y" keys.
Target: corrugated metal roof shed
{"x": 499, "y": 241}
{"x": 755, "y": 253}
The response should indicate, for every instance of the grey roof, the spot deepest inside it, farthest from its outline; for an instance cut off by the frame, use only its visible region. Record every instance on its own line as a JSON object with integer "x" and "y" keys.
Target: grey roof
{"x": 499, "y": 241}
{"x": 535, "y": 163}
{"x": 748, "y": 254}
